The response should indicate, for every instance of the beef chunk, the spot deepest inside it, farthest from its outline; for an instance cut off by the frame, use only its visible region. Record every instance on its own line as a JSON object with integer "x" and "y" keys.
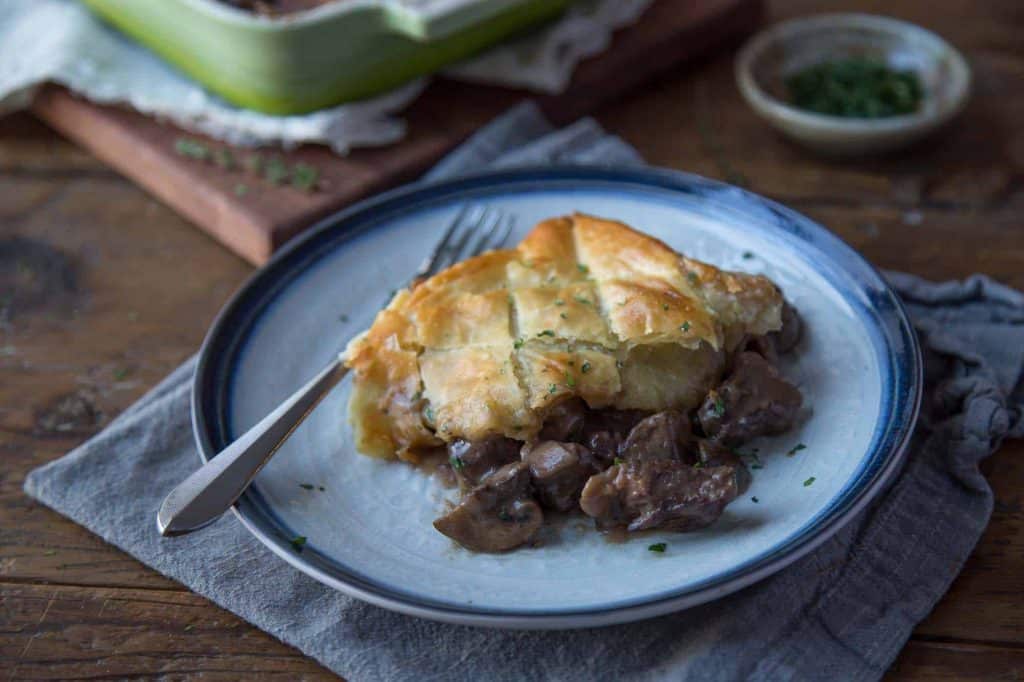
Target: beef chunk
{"x": 559, "y": 471}
{"x": 792, "y": 329}
{"x": 497, "y": 515}
{"x": 604, "y": 447}
{"x": 658, "y": 494}
{"x": 565, "y": 421}
{"x": 474, "y": 461}
{"x": 753, "y": 401}
{"x": 664, "y": 435}
{"x": 712, "y": 454}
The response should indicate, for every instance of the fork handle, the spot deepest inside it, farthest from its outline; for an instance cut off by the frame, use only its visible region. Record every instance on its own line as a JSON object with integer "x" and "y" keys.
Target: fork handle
{"x": 213, "y": 488}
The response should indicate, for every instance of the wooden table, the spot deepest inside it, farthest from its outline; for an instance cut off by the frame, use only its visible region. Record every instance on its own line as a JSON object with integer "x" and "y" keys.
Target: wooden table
{"x": 114, "y": 290}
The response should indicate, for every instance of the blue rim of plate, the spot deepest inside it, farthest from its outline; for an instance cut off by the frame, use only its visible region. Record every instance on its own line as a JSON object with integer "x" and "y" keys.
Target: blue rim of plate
{"x": 896, "y": 346}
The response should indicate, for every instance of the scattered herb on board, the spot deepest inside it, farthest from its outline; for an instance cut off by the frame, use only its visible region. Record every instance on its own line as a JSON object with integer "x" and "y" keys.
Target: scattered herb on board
{"x": 224, "y": 159}
{"x": 809, "y": 482}
{"x": 795, "y": 449}
{"x": 658, "y": 547}
{"x": 276, "y": 171}
{"x": 585, "y": 367}
{"x": 49, "y": 552}
{"x": 298, "y": 542}
{"x": 305, "y": 177}
{"x": 189, "y": 627}
{"x": 306, "y": 486}
{"x": 856, "y": 87}
{"x": 253, "y": 164}
{"x": 191, "y": 148}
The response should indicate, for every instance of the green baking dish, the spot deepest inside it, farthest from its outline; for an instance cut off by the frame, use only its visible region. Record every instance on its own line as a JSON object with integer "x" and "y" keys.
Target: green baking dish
{"x": 317, "y": 58}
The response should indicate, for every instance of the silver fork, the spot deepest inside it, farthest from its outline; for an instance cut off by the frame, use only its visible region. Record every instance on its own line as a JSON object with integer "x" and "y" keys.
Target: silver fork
{"x": 213, "y": 488}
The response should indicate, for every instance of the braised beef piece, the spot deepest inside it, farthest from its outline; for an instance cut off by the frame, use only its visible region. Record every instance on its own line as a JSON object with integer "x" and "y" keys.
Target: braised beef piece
{"x": 565, "y": 421}
{"x": 712, "y": 454}
{"x": 658, "y": 494}
{"x": 559, "y": 471}
{"x": 474, "y": 461}
{"x": 664, "y": 435}
{"x": 605, "y": 430}
{"x": 771, "y": 345}
{"x": 497, "y": 515}
{"x": 753, "y": 401}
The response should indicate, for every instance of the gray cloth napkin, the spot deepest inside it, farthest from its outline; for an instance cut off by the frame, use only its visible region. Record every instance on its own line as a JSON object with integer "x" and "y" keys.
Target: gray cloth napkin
{"x": 843, "y": 612}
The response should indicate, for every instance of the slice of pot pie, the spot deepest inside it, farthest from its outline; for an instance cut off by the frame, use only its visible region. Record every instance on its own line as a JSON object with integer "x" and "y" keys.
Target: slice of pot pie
{"x": 591, "y": 336}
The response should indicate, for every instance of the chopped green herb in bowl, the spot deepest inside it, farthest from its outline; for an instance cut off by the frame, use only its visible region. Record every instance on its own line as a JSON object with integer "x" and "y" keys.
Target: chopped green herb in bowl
{"x": 855, "y": 88}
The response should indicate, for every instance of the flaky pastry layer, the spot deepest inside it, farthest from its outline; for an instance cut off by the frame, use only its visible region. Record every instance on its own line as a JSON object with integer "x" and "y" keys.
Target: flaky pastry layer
{"x": 581, "y": 307}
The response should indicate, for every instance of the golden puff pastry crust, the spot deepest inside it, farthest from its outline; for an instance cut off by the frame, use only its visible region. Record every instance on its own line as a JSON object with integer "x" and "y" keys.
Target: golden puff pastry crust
{"x": 583, "y": 307}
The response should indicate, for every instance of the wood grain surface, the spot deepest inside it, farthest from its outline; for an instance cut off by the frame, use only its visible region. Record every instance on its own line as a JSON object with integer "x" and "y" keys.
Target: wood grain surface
{"x": 255, "y": 222}
{"x": 103, "y": 291}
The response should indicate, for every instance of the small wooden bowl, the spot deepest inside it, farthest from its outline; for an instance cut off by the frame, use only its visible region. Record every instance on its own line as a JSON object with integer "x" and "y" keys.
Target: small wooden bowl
{"x": 777, "y": 52}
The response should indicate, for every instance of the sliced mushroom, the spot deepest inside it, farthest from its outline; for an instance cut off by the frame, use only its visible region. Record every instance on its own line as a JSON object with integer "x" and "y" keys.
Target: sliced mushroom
{"x": 497, "y": 515}
{"x": 559, "y": 471}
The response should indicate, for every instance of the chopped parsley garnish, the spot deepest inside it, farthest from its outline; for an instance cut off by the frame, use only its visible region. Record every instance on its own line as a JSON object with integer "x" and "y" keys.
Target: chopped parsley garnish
{"x": 685, "y": 326}
{"x": 241, "y": 189}
{"x": 718, "y": 405}
{"x": 559, "y": 301}
{"x": 856, "y": 87}
{"x": 747, "y": 255}
{"x": 553, "y": 388}
{"x": 582, "y": 300}
{"x": 120, "y": 373}
{"x": 618, "y": 460}
{"x": 754, "y": 500}
{"x": 191, "y": 149}
{"x": 546, "y": 332}
{"x": 298, "y": 542}
{"x": 692, "y": 277}
{"x": 809, "y": 482}
{"x": 582, "y": 268}
{"x": 699, "y": 465}
{"x": 321, "y": 488}
{"x": 564, "y": 316}
{"x": 795, "y": 449}
{"x": 306, "y": 486}
{"x": 664, "y": 306}
{"x": 658, "y": 547}
{"x": 343, "y": 317}
{"x": 518, "y": 343}
{"x": 457, "y": 463}
{"x": 585, "y": 367}
{"x": 570, "y": 381}
{"x": 428, "y": 412}
{"x": 417, "y": 395}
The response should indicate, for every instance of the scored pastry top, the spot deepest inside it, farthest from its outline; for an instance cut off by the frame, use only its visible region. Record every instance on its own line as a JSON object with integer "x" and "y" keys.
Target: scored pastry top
{"x": 581, "y": 307}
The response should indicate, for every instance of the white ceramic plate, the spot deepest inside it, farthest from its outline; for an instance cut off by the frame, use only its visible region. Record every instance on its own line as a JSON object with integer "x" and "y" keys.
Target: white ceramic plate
{"x": 369, "y": 530}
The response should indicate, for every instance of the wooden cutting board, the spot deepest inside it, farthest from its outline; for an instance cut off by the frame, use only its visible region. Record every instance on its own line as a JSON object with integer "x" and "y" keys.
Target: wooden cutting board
{"x": 253, "y": 216}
